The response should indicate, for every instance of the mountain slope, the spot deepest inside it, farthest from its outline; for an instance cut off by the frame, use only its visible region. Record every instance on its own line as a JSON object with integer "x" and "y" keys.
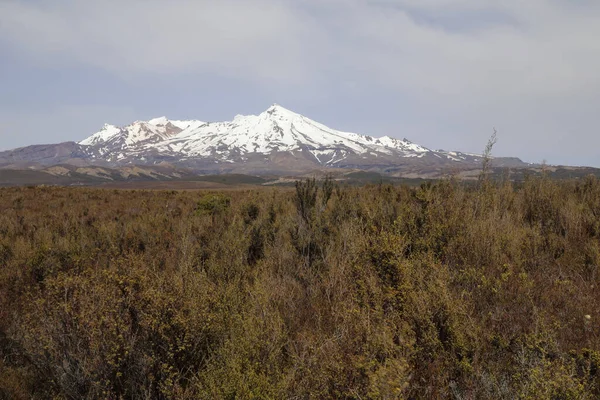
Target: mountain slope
{"x": 276, "y": 140}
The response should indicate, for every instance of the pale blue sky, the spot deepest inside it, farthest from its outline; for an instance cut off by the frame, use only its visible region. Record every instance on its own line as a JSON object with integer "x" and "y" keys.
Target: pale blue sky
{"x": 441, "y": 73}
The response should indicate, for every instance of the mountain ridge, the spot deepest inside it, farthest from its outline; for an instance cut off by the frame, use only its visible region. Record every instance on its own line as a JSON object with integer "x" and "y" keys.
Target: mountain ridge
{"x": 276, "y": 140}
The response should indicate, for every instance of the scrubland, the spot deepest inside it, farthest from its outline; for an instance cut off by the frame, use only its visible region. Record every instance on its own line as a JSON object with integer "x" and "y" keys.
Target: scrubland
{"x": 448, "y": 291}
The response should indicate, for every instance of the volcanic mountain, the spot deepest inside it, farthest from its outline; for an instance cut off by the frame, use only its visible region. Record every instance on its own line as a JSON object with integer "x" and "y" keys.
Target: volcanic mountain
{"x": 275, "y": 141}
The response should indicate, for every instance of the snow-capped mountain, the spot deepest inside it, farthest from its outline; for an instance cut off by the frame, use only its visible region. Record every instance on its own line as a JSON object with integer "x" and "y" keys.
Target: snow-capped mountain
{"x": 274, "y": 141}
{"x": 274, "y": 131}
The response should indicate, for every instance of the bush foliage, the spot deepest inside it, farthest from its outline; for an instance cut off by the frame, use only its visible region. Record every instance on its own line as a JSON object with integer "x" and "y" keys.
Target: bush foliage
{"x": 380, "y": 292}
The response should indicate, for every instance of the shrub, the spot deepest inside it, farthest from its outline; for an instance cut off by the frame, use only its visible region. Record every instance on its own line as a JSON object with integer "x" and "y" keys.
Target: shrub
{"x": 306, "y": 198}
{"x": 446, "y": 290}
{"x": 212, "y": 204}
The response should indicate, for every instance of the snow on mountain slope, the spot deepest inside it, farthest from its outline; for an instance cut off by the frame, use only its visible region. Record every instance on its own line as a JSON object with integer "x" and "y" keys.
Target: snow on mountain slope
{"x": 107, "y": 132}
{"x": 163, "y": 121}
{"x": 276, "y": 130}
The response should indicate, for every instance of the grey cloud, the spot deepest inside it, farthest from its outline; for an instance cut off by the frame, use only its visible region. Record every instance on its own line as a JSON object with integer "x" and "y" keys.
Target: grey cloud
{"x": 553, "y": 51}
{"x": 247, "y": 38}
{"x": 537, "y": 61}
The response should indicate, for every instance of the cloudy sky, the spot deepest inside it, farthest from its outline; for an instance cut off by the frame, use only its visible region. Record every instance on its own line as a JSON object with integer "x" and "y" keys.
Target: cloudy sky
{"x": 442, "y": 73}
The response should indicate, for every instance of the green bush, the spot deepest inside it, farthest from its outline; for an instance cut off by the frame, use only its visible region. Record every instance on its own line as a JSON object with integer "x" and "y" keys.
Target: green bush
{"x": 212, "y": 204}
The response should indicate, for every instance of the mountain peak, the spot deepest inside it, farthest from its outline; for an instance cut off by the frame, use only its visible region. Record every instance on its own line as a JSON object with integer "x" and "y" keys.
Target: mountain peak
{"x": 107, "y": 132}
{"x": 275, "y": 134}
{"x": 276, "y": 108}
{"x": 159, "y": 121}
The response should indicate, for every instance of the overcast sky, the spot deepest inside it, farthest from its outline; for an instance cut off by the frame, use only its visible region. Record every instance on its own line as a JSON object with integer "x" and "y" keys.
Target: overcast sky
{"x": 442, "y": 73}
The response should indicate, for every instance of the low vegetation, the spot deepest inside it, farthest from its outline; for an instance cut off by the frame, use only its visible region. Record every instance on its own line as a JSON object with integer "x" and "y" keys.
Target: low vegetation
{"x": 485, "y": 291}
